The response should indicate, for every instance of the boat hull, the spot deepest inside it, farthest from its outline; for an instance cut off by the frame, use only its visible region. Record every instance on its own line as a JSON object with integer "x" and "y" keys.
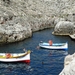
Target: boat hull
{"x": 25, "y": 58}
{"x": 57, "y": 46}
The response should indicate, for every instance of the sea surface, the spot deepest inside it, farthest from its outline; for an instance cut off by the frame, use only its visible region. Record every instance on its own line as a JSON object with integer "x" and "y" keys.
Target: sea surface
{"x": 43, "y": 61}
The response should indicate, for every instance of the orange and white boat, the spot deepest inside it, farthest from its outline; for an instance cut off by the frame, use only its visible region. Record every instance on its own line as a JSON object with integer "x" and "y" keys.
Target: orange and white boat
{"x": 15, "y": 57}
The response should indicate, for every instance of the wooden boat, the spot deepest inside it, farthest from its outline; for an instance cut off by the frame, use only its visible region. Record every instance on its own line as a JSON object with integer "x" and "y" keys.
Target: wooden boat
{"x": 54, "y": 45}
{"x": 15, "y": 57}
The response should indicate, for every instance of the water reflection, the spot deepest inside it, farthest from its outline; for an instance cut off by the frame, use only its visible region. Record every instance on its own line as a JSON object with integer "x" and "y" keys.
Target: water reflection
{"x": 14, "y": 68}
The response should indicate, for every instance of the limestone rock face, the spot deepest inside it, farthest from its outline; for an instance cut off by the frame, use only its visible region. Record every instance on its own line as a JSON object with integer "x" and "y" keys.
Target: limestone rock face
{"x": 14, "y": 31}
{"x": 19, "y": 18}
{"x": 69, "y": 65}
{"x": 64, "y": 28}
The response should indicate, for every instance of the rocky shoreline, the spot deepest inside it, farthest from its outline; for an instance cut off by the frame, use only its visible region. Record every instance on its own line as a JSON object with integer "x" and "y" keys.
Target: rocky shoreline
{"x": 17, "y": 21}
{"x": 20, "y": 18}
{"x": 69, "y": 64}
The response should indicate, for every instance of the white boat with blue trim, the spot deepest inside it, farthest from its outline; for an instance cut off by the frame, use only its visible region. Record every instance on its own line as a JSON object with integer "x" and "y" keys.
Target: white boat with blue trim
{"x": 62, "y": 46}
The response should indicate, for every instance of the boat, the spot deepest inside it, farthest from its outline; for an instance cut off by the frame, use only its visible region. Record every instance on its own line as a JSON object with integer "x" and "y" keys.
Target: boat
{"x": 62, "y": 46}
{"x": 15, "y": 57}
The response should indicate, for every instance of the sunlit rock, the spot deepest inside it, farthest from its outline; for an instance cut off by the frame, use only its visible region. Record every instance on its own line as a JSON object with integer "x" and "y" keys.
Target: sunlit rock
{"x": 64, "y": 28}
{"x": 69, "y": 65}
{"x": 37, "y": 15}
{"x": 14, "y": 31}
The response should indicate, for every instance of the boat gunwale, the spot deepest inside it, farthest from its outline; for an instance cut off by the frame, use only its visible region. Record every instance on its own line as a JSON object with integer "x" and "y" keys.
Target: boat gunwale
{"x": 18, "y": 55}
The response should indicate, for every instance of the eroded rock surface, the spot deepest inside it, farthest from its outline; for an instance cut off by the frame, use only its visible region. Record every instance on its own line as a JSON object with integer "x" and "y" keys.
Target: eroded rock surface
{"x": 19, "y": 18}
{"x": 69, "y": 65}
{"x": 64, "y": 28}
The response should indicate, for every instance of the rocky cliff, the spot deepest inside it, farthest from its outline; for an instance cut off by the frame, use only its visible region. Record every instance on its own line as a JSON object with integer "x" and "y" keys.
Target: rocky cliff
{"x": 19, "y": 18}
{"x": 64, "y": 28}
{"x": 69, "y": 65}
